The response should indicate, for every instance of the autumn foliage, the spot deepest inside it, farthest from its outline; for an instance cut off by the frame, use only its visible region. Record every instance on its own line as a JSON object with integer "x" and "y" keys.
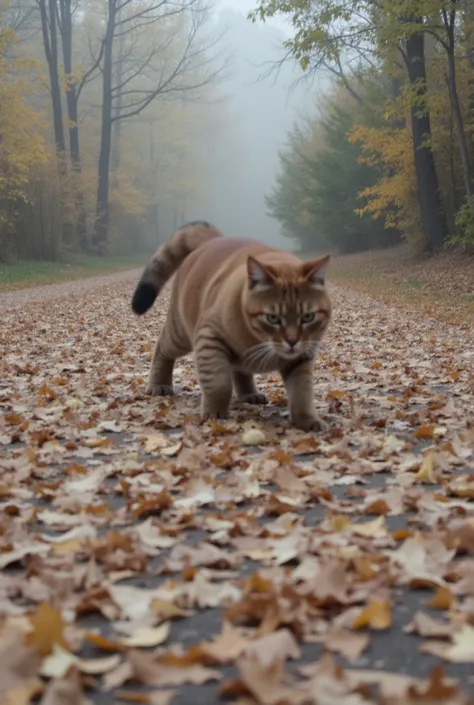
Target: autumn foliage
{"x": 98, "y": 128}
{"x": 402, "y": 106}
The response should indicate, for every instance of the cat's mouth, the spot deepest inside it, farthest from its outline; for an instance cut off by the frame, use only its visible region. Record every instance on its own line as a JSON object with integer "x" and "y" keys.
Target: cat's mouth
{"x": 290, "y": 353}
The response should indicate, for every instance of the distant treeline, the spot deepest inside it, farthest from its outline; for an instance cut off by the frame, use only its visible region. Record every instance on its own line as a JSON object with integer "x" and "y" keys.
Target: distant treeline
{"x": 100, "y": 104}
{"x": 389, "y": 154}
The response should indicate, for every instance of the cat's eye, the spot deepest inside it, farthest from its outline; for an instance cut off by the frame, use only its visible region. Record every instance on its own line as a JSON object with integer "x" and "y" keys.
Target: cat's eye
{"x": 308, "y": 317}
{"x": 273, "y": 319}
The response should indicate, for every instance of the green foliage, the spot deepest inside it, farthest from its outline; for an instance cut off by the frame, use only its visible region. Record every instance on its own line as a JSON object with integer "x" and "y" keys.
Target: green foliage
{"x": 465, "y": 225}
{"x": 33, "y": 272}
{"x": 317, "y": 194}
{"x": 422, "y": 146}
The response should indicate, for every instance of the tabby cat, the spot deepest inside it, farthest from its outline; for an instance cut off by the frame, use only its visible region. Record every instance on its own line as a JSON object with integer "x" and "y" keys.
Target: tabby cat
{"x": 244, "y": 308}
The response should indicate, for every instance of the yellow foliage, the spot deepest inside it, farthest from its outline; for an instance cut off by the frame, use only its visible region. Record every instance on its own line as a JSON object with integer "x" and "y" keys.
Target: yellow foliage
{"x": 124, "y": 195}
{"x": 23, "y": 146}
{"x": 393, "y": 197}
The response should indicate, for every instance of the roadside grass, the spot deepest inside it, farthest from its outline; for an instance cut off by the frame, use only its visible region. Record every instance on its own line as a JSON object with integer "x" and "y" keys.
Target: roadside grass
{"x": 26, "y": 273}
{"x": 441, "y": 286}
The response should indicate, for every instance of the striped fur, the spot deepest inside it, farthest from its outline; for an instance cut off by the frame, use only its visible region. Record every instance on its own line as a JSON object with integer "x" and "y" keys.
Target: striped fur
{"x": 166, "y": 261}
{"x": 243, "y": 308}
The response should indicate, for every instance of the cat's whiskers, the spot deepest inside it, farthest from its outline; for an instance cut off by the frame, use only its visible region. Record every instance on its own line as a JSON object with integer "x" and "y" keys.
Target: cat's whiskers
{"x": 259, "y": 356}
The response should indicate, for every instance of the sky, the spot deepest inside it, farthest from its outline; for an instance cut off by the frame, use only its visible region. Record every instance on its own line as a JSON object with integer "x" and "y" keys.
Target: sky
{"x": 245, "y": 5}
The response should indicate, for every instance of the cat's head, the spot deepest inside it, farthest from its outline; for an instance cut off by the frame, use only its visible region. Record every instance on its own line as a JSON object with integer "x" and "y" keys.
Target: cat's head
{"x": 287, "y": 305}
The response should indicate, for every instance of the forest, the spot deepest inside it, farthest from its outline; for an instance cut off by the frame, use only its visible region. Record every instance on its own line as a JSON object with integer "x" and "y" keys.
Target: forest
{"x": 387, "y": 154}
{"x": 101, "y": 102}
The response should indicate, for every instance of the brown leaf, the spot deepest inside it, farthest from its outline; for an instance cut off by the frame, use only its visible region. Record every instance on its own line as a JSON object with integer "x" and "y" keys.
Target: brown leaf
{"x": 150, "y": 670}
{"x": 442, "y": 600}
{"x": 48, "y": 629}
{"x": 65, "y": 691}
{"x": 346, "y": 643}
{"x": 19, "y": 670}
{"x": 424, "y": 625}
{"x": 273, "y": 648}
{"x": 267, "y": 684}
{"x": 227, "y": 646}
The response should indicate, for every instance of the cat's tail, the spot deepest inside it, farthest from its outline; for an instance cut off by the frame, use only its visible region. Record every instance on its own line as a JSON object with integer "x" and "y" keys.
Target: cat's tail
{"x": 167, "y": 259}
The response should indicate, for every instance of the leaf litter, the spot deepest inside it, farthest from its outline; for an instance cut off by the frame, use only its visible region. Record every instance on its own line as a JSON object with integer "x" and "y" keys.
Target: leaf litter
{"x": 145, "y": 553}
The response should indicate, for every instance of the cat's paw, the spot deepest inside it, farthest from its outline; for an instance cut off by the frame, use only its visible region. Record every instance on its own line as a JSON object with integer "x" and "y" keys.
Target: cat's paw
{"x": 253, "y": 398}
{"x": 160, "y": 390}
{"x": 207, "y": 415}
{"x": 310, "y": 423}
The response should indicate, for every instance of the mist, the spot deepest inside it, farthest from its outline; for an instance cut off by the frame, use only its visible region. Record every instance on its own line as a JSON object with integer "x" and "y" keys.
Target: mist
{"x": 169, "y": 114}
{"x": 240, "y": 158}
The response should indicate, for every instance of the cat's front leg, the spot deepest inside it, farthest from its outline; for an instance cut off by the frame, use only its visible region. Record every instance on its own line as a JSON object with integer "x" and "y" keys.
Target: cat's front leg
{"x": 298, "y": 379}
{"x": 215, "y": 375}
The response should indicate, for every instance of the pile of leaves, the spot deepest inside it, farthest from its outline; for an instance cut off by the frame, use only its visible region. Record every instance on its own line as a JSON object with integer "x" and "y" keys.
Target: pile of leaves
{"x": 147, "y": 557}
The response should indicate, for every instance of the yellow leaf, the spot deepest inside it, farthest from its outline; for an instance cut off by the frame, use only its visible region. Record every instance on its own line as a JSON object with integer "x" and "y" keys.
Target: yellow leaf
{"x": 426, "y": 474}
{"x": 48, "y": 630}
{"x": 377, "y": 615}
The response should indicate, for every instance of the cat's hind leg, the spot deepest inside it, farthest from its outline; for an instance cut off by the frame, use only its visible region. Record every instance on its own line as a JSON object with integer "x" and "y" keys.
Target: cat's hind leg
{"x": 171, "y": 344}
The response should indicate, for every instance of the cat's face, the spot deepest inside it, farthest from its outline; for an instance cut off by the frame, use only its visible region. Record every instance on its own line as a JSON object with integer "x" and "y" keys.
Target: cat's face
{"x": 287, "y": 306}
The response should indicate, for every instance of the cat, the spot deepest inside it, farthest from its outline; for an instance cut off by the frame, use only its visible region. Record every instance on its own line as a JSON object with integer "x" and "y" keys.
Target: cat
{"x": 243, "y": 307}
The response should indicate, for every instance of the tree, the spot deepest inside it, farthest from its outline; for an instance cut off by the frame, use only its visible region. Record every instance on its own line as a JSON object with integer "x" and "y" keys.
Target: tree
{"x": 23, "y": 148}
{"x": 317, "y": 194}
{"x": 47, "y": 10}
{"x": 173, "y": 62}
{"x": 432, "y": 211}
{"x": 334, "y": 30}
{"x": 74, "y": 86}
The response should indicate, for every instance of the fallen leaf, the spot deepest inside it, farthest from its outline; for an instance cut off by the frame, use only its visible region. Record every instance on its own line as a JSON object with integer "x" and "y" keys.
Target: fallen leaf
{"x": 377, "y": 615}
{"x": 253, "y": 437}
{"x": 273, "y": 648}
{"x": 47, "y": 630}
{"x": 267, "y": 684}
{"x": 462, "y": 649}
{"x": 65, "y": 691}
{"x": 427, "y": 626}
{"x": 147, "y": 637}
{"x": 427, "y": 473}
{"x": 346, "y": 643}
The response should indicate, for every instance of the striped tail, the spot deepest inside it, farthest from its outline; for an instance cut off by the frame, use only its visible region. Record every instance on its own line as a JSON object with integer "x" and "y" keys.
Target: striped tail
{"x": 167, "y": 259}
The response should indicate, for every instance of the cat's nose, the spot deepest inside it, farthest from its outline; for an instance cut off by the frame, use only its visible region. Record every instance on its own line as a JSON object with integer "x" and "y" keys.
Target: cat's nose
{"x": 292, "y": 338}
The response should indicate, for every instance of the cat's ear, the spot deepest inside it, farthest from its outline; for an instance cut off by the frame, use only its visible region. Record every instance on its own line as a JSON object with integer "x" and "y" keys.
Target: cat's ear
{"x": 314, "y": 271}
{"x": 261, "y": 276}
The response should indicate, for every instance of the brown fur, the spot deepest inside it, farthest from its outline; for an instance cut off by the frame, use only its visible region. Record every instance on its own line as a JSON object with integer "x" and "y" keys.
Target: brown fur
{"x": 223, "y": 293}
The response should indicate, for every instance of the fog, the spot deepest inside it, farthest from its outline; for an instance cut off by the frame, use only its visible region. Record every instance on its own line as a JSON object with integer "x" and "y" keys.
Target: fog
{"x": 240, "y": 159}
{"x": 184, "y": 121}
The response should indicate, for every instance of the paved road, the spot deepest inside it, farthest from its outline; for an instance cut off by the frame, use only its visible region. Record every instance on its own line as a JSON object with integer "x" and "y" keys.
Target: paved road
{"x": 190, "y": 516}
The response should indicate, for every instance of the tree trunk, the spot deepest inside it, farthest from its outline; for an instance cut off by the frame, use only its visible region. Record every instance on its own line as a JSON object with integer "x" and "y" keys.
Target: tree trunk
{"x": 72, "y": 112}
{"x": 50, "y": 44}
{"x": 432, "y": 211}
{"x": 117, "y": 125}
{"x": 456, "y": 108}
{"x": 101, "y": 230}
{"x": 467, "y": 8}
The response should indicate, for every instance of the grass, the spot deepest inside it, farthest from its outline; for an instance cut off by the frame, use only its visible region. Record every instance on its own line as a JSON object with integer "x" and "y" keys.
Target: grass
{"x": 26, "y": 273}
{"x": 440, "y": 286}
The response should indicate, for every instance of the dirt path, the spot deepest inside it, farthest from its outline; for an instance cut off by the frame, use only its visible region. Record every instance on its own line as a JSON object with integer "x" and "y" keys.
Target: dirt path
{"x": 167, "y": 554}
{"x": 21, "y": 297}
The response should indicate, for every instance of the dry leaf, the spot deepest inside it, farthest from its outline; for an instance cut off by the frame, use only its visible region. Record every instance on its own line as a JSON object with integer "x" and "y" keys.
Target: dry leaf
{"x": 148, "y": 637}
{"x": 377, "y": 615}
{"x": 253, "y": 437}
{"x": 346, "y": 643}
{"x": 427, "y": 473}
{"x": 47, "y": 630}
